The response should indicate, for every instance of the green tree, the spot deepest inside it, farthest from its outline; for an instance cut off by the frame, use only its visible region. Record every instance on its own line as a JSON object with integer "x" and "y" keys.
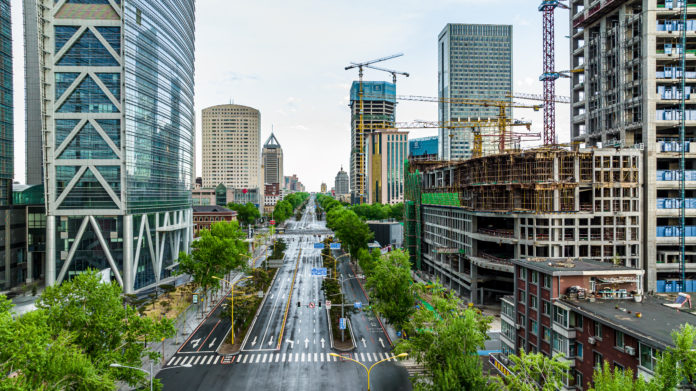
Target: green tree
{"x": 535, "y": 371}
{"x": 246, "y": 213}
{"x": 350, "y": 230}
{"x": 391, "y": 287}
{"x": 367, "y": 260}
{"x": 677, "y": 364}
{"x": 605, "y": 379}
{"x": 446, "y": 339}
{"x": 87, "y": 316}
{"x": 215, "y": 253}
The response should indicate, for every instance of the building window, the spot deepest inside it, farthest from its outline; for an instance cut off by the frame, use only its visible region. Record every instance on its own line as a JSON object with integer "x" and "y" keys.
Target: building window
{"x": 523, "y": 274}
{"x": 523, "y": 297}
{"x": 546, "y": 307}
{"x": 534, "y": 327}
{"x": 647, "y": 357}
{"x": 618, "y": 339}
{"x": 618, "y": 367}
{"x": 547, "y": 334}
{"x": 598, "y": 330}
{"x": 560, "y": 344}
{"x": 535, "y": 277}
{"x": 547, "y": 281}
{"x": 578, "y": 379}
{"x": 560, "y": 316}
{"x": 597, "y": 360}
{"x": 578, "y": 350}
{"x": 533, "y": 302}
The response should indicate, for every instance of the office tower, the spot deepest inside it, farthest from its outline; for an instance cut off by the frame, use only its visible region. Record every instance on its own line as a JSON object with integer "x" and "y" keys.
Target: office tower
{"x": 323, "y": 188}
{"x": 117, "y": 85}
{"x": 474, "y": 62}
{"x": 379, "y": 107}
{"x": 424, "y": 148}
{"x": 231, "y": 147}
{"x": 272, "y": 161}
{"x": 6, "y": 105}
{"x": 32, "y": 90}
{"x": 629, "y": 95}
{"x": 386, "y": 152}
{"x": 342, "y": 183}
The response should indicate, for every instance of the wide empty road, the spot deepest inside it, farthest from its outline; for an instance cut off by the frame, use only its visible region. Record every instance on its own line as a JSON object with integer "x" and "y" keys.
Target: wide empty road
{"x": 288, "y": 346}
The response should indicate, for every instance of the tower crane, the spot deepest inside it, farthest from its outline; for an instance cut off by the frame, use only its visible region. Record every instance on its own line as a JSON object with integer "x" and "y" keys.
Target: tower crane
{"x": 393, "y": 72}
{"x": 502, "y": 105}
{"x": 520, "y": 95}
{"x": 360, "y": 155}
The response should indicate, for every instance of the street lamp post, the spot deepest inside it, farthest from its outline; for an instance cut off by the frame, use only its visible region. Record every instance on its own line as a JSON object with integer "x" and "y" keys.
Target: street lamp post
{"x": 232, "y": 301}
{"x": 368, "y": 370}
{"x": 114, "y": 365}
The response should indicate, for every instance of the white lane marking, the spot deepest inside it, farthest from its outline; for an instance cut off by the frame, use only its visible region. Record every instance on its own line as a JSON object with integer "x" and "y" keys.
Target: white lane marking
{"x": 315, "y": 357}
{"x": 383, "y": 355}
{"x": 197, "y": 358}
{"x": 277, "y": 357}
{"x": 184, "y": 360}
{"x": 245, "y": 359}
{"x": 362, "y": 358}
{"x": 302, "y": 357}
{"x": 297, "y": 357}
{"x": 321, "y": 357}
{"x": 283, "y": 359}
{"x": 264, "y": 358}
{"x": 258, "y": 358}
{"x": 171, "y": 361}
{"x": 290, "y": 357}
{"x": 334, "y": 357}
{"x": 174, "y": 360}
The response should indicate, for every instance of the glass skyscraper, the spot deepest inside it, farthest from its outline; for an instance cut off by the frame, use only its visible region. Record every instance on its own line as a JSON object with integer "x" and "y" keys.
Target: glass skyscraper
{"x": 6, "y": 115}
{"x": 474, "y": 62}
{"x": 119, "y": 125}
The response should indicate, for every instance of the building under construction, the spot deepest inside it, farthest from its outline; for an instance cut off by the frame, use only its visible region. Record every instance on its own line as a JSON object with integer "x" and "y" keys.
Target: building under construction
{"x": 465, "y": 220}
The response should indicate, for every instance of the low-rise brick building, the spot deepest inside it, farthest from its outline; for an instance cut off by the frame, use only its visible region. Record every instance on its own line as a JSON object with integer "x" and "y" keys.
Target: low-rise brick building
{"x": 590, "y": 312}
{"x": 205, "y": 215}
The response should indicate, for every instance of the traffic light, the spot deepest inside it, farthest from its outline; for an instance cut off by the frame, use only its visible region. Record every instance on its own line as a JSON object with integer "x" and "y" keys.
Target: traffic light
{"x": 298, "y": 304}
{"x": 319, "y": 304}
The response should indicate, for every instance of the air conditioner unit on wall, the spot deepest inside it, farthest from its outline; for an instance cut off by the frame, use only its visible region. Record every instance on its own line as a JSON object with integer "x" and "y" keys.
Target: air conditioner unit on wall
{"x": 591, "y": 340}
{"x": 630, "y": 350}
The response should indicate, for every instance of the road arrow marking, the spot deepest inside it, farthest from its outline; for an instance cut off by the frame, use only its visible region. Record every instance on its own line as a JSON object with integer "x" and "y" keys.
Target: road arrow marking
{"x": 212, "y": 343}
{"x": 306, "y": 343}
{"x": 195, "y": 342}
{"x": 381, "y": 342}
{"x": 322, "y": 343}
{"x": 253, "y": 342}
{"x": 271, "y": 341}
{"x": 291, "y": 342}
{"x": 361, "y": 340}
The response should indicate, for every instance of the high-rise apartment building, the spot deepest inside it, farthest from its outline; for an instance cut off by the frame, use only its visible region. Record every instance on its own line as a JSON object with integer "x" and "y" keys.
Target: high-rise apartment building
{"x": 379, "y": 107}
{"x": 342, "y": 183}
{"x": 386, "y": 152}
{"x": 231, "y": 147}
{"x": 474, "y": 62}
{"x": 272, "y": 161}
{"x": 117, "y": 89}
{"x": 6, "y": 105}
{"x": 32, "y": 90}
{"x": 323, "y": 188}
{"x": 629, "y": 95}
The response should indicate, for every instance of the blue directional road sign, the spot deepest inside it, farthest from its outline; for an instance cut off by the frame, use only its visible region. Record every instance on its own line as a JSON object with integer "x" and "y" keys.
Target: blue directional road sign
{"x": 342, "y": 323}
{"x": 319, "y": 245}
{"x": 319, "y": 271}
{"x": 335, "y": 246}
{"x": 357, "y": 305}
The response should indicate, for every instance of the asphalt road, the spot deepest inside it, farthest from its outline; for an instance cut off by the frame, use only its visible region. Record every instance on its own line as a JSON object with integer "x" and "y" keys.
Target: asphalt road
{"x": 288, "y": 346}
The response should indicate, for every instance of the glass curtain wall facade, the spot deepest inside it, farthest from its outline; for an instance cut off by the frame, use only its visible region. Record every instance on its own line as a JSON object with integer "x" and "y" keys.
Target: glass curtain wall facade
{"x": 474, "y": 62}
{"x": 119, "y": 132}
{"x": 6, "y": 105}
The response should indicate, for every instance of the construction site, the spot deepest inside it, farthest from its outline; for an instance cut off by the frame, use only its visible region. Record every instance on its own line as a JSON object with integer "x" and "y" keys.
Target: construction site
{"x": 466, "y": 220}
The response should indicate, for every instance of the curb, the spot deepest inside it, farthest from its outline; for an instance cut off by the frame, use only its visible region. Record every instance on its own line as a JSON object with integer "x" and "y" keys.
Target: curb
{"x": 350, "y": 329}
{"x": 379, "y": 319}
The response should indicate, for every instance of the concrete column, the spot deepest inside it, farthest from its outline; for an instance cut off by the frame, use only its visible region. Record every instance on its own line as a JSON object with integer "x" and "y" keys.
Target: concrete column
{"x": 128, "y": 283}
{"x": 50, "y": 250}
{"x": 8, "y": 248}
{"x": 474, "y": 284}
{"x": 30, "y": 268}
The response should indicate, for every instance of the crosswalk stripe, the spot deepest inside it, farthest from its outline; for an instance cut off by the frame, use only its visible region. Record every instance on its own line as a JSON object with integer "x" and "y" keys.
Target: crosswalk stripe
{"x": 362, "y": 358}
{"x": 297, "y": 357}
{"x": 211, "y": 359}
{"x": 277, "y": 357}
{"x": 334, "y": 357}
{"x": 290, "y": 357}
{"x": 303, "y": 357}
{"x": 258, "y": 358}
{"x": 246, "y": 356}
{"x": 196, "y": 360}
{"x": 283, "y": 359}
{"x": 171, "y": 361}
{"x": 264, "y": 358}
{"x": 184, "y": 360}
{"x": 321, "y": 357}
{"x": 315, "y": 357}
{"x": 174, "y": 360}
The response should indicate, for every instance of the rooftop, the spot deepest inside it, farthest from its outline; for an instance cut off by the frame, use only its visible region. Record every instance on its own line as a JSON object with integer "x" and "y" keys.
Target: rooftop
{"x": 211, "y": 208}
{"x": 655, "y": 325}
{"x": 272, "y": 142}
{"x": 570, "y": 266}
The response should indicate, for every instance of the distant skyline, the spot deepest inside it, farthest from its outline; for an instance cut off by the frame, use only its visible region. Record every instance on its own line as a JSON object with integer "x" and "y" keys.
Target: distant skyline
{"x": 291, "y": 67}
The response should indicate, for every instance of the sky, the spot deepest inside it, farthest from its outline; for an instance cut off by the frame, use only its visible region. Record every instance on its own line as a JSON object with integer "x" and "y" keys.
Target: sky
{"x": 287, "y": 59}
